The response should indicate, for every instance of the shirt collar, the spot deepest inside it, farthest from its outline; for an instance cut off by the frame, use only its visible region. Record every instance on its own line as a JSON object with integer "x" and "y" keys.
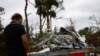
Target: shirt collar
{"x": 12, "y": 23}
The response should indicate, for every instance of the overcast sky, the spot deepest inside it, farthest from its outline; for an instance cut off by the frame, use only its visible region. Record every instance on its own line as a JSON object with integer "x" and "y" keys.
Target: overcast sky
{"x": 78, "y": 10}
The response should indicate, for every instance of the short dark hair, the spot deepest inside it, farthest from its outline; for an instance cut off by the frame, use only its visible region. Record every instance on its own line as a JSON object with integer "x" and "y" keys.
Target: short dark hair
{"x": 16, "y": 16}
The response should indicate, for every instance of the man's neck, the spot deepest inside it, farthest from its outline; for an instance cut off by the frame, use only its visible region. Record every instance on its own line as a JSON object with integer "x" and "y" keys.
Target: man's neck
{"x": 13, "y": 22}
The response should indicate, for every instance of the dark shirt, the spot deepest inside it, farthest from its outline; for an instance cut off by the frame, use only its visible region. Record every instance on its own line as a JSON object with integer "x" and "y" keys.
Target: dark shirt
{"x": 13, "y": 33}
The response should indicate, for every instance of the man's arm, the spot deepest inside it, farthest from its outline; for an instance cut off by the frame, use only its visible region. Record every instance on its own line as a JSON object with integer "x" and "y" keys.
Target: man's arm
{"x": 25, "y": 41}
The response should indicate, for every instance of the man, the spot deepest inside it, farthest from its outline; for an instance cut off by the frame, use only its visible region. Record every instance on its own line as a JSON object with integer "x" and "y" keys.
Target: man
{"x": 16, "y": 39}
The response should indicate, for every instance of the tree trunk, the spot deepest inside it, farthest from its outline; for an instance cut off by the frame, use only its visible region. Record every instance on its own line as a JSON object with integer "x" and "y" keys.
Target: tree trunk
{"x": 27, "y": 28}
{"x": 48, "y": 21}
{"x": 41, "y": 33}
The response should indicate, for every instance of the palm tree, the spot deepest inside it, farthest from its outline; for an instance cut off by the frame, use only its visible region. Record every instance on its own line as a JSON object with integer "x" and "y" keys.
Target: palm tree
{"x": 48, "y": 4}
{"x": 41, "y": 12}
{"x": 2, "y": 11}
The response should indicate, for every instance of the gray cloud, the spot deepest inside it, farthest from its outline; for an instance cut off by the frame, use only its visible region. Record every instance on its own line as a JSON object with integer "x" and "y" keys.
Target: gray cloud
{"x": 78, "y": 10}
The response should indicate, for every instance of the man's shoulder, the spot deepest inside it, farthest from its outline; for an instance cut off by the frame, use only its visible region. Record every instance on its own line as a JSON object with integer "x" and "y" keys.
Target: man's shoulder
{"x": 18, "y": 25}
{"x": 14, "y": 26}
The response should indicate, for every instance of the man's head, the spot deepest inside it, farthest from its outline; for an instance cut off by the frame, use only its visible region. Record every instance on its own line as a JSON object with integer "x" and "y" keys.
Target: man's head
{"x": 17, "y": 18}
